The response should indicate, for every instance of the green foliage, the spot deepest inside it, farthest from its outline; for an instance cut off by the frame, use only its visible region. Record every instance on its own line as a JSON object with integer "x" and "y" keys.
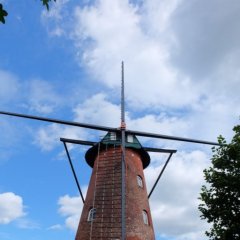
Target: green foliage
{"x": 4, "y": 13}
{"x": 221, "y": 196}
{"x": 46, "y": 3}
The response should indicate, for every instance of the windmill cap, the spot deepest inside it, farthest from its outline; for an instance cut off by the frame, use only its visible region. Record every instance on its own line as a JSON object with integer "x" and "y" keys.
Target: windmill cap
{"x": 114, "y": 139}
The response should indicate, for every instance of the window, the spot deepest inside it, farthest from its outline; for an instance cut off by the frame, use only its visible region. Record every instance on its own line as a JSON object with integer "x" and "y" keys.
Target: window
{"x": 113, "y": 136}
{"x": 139, "y": 181}
{"x": 91, "y": 214}
{"x": 145, "y": 217}
{"x": 130, "y": 138}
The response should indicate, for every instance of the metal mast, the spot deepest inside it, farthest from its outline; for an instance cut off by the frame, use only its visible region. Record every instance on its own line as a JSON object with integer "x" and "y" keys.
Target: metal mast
{"x": 123, "y": 128}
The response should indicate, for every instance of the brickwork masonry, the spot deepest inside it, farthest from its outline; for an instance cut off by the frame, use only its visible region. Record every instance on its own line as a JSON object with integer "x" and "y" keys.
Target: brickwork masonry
{"x": 104, "y": 194}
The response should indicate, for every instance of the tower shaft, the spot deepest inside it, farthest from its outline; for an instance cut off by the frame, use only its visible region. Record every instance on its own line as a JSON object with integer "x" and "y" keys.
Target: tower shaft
{"x": 101, "y": 215}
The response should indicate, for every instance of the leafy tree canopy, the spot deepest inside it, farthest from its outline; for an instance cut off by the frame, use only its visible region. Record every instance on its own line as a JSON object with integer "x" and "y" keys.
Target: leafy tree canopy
{"x": 4, "y": 13}
{"x": 221, "y": 196}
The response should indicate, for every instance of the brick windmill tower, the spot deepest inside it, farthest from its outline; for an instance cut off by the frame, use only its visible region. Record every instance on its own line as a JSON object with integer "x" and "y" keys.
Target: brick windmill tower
{"x": 116, "y": 206}
{"x": 101, "y": 215}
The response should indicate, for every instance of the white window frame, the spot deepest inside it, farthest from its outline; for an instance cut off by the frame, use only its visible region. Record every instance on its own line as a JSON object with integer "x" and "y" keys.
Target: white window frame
{"x": 139, "y": 181}
{"x": 145, "y": 217}
{"x": 91, "y": 214}
{"x": 130, "y": 138}
{"x": 113, "y": 136}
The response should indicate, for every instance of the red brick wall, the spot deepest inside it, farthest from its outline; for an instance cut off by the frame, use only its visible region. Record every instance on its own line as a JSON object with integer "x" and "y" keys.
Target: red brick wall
{"x": 104, "y": 194}
{"x": 136, "y": 200}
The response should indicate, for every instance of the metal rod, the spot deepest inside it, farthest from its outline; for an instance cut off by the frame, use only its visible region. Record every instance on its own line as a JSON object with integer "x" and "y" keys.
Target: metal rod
{"x": 70, "y": 123}
{"x": 123, "y": 126}
{"x": 81, "y": 142}
{"x": 155, "y": 184}
{"x": 122, "y": 97}
{"x": 123, "y": 187}
{"x": 90, "y": 143}
{"x": 73, "y": 171}
{"x": 174, "y": 138}
{"x": 104, "y": 128}
{"x": 159, "y": 150}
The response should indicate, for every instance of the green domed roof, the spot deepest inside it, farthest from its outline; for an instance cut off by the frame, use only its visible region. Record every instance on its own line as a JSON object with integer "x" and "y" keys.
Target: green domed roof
{"x": 114, "y": 139}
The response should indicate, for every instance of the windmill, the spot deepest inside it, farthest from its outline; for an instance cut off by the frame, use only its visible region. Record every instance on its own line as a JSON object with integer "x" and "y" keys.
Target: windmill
{"x": 116, "y": 204}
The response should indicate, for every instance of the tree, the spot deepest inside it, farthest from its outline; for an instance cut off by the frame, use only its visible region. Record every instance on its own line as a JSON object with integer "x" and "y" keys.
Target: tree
{"x": 221, "y": 196}
{"x": 4, "y": 13}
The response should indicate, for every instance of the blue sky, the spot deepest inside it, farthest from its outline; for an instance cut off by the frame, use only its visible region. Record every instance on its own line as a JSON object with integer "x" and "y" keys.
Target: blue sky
{"x": 182, "y": 78}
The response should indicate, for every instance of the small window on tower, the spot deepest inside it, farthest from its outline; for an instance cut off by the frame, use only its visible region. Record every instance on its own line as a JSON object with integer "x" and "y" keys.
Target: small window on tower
{"x": 91, "y": 214}
{"x": 145, "y": 217}
{"x": 139, "y": 181}
{"x": 130, "y": 138}
{"x": 113, "y": 136}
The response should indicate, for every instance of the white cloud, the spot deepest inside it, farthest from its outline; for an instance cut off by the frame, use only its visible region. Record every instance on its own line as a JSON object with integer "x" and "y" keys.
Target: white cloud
{"x": 58, "y": 14}
{"x": 42, "y": 97}
{"x": 11, "y": 207}
{"x": 162, "y": 124}
{"x": 48, "y": 137}
{"x": 206, "y": 34}
{"x": 153, "y": 78}
{"x": 25, "y": 223}
{"x": 35, "y": 95}
{"x": 175, "y": 200}
{"x": 98, "y": 110}
{"x": 115, "y": 32}
{"x": 9, "y": 86}
{"x": 9, "y": 138}
{"x": 158, "y": 19}
{"x": 71, "y": 208}
{"x": 55, "y": 227}
{"x": 105, "y": 32}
